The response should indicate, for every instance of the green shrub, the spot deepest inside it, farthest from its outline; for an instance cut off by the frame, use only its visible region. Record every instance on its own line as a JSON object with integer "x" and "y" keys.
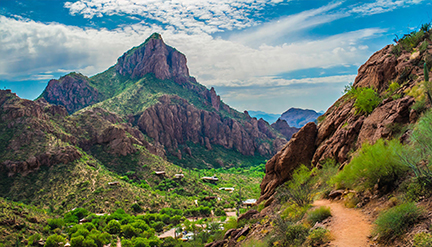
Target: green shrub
{"x": 33, "y": 239}
{"x": 318, "y": 215}
{"x": 419, "y": 105}
{"x": 298, "y": 189}
{"x": 366, "y": 100}
{"x": 294, "y": 212}
{"x": 230, "y": 224}
{"x": 129, "y": 231}
{"x": 422, "y": 239}
{"x": 113, "y": 227}
{"x": 318, "y": 237}
{"x": 54, "y": 240}
{"x": 420, "y": 149}
{"x": 77, "y": 241}
{"x": 296, "y": 234}
{"x": 56, "y": 223}
{"x": 396, "y": 220}
{"x": 378, "y": 163}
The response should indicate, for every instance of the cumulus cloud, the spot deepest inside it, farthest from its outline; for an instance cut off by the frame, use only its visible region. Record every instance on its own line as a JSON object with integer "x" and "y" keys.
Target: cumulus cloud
{"x": 30, "y": 47}
{"x": 193, "y": 16}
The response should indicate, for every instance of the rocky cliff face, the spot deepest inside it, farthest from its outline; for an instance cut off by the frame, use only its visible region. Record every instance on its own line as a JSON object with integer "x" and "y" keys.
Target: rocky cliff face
{"x": 187, "y": 111}
{"x": 282, "y": 126}
{"x": 72, "y": 91}
{"x": 341, "y": 130}
{"x": 154, "y": 57}
{"x": 171, "y": 124}
{"x": 35, "y": 134}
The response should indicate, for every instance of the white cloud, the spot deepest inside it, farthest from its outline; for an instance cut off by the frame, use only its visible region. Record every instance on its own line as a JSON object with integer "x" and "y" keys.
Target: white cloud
{"x": 272, "y": 31}
{"x": 29, "y": 47}
{"x": 193, "y": 16}
{"x": 382, "y": 6}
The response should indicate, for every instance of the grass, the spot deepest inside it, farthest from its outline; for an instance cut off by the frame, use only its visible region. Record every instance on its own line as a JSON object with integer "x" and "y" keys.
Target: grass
{"x": 395, "y": 221}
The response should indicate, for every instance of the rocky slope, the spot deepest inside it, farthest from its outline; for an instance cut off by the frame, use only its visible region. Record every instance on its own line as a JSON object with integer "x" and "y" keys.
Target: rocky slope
{"x": 396, "y": 75}
{"x": 150, "y": 85}
{"x": 296, "y": 117}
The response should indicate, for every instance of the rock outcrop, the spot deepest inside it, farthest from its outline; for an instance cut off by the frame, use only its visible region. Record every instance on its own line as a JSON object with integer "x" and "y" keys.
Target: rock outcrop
{"x": 171, "y": 124}
{"x": 286, "y": 130}
{"x": 153, "y": 56}
{"x": 299, "y": 150}
{"x": 72, "y": 91}
{"x": 341, "y": 130}
{"x": 32, "y": 137}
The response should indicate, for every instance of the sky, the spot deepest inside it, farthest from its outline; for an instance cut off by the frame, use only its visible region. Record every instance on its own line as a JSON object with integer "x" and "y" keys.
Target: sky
{"x": 262, "y": 55}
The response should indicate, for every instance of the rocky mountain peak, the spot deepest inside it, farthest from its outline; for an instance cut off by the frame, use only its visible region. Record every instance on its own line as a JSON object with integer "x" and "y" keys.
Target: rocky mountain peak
{"x": 154, "y": 56}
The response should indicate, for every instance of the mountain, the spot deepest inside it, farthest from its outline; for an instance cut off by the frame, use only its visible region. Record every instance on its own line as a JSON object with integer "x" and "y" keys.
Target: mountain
{"x": 151, "y": 87}
{"x": 269, "y": 117}
{"x": 296, "y": 117}
{"x": 387, "y": 96}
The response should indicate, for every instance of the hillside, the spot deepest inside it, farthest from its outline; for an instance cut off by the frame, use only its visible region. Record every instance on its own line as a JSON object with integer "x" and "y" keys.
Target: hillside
{"x": 150, "y": 87}
{"x": 370, "y": 150}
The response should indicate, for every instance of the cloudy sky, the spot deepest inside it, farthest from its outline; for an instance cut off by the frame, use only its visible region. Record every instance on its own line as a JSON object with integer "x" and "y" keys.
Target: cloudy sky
{"x": 266, "y": 55}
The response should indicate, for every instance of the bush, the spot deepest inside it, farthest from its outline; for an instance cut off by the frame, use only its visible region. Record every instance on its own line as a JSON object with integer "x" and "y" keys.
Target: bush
{"x": 298, "y": 189}
{"x": 113, "y": 227}
{"x": 129, "y": 231}
{"x": 366, "y": 100}
{"x": 378, "y": 163}
{"x": 294, "y": 212}
{"x": 56, "y": 223}
{"x": 318, "y": 215}
{"x": 422, "y": 240}
{"x": 396, "y": 220}
{"x": 54, "y": 240}
{"x": 296, "y": 234}
{"x": 33, "y": 239}
{"x": 318, "y": 237}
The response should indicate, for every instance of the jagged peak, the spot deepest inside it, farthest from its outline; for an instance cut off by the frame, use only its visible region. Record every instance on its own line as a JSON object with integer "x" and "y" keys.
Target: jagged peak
{"x": 154, "y": 56}
{"x": 154, "y": 36}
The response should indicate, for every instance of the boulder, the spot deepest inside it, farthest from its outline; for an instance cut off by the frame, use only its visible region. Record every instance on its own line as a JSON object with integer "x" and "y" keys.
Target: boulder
{"x": 299, "y": 150}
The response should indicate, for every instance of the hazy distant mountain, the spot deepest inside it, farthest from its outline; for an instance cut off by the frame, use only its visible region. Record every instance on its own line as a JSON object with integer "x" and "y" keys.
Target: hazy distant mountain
{"x": 296, "y": 117}
{"x": 269, "y": 117}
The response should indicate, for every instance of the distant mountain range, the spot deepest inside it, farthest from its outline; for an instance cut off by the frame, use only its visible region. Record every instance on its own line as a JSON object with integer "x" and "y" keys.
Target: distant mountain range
{"x": 295, "y": 117}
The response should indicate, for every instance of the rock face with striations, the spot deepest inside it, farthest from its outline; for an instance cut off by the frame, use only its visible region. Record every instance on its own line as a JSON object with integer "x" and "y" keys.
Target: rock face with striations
{"x": 173, "y": 124}
{"x": 286, "y": 130}
{"x": 153, "y": 56}
{"x": 342, "y": 130}
{"x": 72, "y": 91}
{"x": 299, "y": 150}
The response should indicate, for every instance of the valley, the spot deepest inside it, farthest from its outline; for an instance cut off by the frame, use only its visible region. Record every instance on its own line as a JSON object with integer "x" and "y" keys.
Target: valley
{"x": 143, "y": 150}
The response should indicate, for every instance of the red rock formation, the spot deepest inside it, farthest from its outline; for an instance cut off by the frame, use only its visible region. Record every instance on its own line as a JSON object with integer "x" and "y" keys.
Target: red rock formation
{"x": 172, "y": 124}
{"x": 342, "y": 130}
{"x": 283, "y": 127}
{"x": 299, "y": 150}
{"x": 72, "y": 91}
{"x": 155, "y": 57}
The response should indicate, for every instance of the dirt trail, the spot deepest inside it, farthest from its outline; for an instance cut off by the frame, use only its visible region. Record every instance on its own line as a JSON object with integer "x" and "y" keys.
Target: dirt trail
{"x": 349, "y": 227}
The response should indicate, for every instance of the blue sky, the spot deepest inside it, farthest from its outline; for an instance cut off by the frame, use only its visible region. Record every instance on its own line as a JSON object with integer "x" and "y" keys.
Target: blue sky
{"x": 266, "y": 55}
